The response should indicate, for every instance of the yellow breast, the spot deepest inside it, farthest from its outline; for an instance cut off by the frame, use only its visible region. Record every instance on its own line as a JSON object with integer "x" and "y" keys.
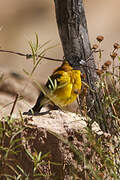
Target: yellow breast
{"x": 69, "y": 83}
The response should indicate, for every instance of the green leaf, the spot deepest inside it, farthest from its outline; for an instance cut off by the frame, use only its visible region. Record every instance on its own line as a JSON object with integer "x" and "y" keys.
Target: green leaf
{"x": 34, "y": 68}
{"x": 39, "y": 156}
{"x": 27, "y": 73}
{"x": 33, "y": 51}
{"x": 56, "y": 163}
{"x": 30, "y": 155}
{"x": 51, "y": 82}
{"x": 12, "y": 168}
{"x": 45, "y": 155}
{"x": 40, "y": 47}
{"x": 18, "y": 132}
{"x": 62, "y": 85}
{"x": 7, "y": 176}
{"x": 119, "y": 58}
{"x": 22, "y": 170}
{"x": 37, "y": 42}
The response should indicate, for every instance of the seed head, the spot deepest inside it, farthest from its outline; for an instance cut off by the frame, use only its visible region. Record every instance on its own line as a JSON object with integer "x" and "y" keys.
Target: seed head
{"x": 99, "y": 72}
{"x": 100, "y": 38}
{"x": 107, "y": 63}
{"x": 95, "y": 46}
{"x": 104, "y": 67}
{"x": 113, "y": 55}
{"x": 116, "y": 46}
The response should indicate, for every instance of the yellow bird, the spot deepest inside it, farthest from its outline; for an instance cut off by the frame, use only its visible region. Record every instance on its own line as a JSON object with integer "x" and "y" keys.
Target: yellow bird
{"x": 62, "y": 87}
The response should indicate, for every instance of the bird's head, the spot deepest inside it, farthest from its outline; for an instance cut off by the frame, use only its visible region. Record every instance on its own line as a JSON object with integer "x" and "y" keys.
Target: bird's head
{"x": 75, "y": 61}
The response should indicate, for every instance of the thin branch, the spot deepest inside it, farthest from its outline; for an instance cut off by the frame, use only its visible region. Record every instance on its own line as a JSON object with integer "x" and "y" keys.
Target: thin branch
{"x": 93, "y": 51}
{"x": 13, "y": 52}
{"x": 13, "y": 107}
{"x": 28, "y": 56}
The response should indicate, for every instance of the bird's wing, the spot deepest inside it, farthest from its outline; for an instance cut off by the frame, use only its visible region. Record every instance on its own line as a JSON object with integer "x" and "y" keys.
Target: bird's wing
{"x": 61, "y": 87}
{"x": 58, "y": 80}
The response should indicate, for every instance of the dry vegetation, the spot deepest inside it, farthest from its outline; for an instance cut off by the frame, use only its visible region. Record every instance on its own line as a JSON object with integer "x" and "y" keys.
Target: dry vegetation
{"x": 87, "y": 154}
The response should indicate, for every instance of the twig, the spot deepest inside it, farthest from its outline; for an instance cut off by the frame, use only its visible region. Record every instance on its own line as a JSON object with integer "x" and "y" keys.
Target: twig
{"x": 108, "y": 93}
{"x": 13, "y": 107}
{"x": 28, "y": 56}
{"x": 12, "y": 52}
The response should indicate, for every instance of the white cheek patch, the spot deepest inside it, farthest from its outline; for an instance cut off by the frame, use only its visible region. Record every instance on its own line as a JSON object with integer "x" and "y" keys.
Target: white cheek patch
{"x": 82, "y": 62}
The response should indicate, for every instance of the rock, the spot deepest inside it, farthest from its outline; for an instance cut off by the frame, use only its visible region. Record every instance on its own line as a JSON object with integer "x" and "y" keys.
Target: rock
{"x": 56, "y": 136}
{"x": 12, "y": 83}
{"x": 58, "y": 120}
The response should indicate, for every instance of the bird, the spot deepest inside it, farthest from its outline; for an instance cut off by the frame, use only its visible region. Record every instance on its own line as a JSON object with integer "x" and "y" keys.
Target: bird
{"x": 63, "y": 86}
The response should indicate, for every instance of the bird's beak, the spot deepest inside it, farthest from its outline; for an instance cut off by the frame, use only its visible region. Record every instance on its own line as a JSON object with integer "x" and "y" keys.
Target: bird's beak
{"x": 75, "y": 61}
{"x": 79, "y": 64}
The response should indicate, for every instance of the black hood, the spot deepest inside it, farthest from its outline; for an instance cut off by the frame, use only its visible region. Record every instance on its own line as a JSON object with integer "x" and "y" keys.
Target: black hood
{"x": 75, "y": 61}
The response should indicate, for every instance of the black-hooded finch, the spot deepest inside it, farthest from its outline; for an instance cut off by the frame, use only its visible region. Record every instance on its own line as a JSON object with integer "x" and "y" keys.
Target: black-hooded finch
{"x": 63, "y": 86}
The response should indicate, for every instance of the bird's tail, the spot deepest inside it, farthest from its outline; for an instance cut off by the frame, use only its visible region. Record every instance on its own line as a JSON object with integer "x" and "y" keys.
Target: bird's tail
{"x": 41, "y": 101}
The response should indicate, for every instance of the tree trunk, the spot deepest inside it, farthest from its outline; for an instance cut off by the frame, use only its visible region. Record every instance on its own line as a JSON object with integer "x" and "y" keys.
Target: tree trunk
{"x": 72, "y": 26}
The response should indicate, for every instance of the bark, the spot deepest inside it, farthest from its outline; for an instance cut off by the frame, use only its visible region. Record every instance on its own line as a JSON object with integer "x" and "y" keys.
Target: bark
{"x": 72, "y": 27}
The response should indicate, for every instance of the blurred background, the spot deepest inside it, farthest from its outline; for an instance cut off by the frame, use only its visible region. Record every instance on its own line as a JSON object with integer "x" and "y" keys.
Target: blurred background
{"x": 19, "y": 20}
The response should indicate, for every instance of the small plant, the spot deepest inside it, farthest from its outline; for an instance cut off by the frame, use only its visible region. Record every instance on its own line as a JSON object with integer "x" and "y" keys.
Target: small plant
{"x": 96, "y": 156}
{"x": 109, "y": 85}
{"x": 10, "y": 145}
{"x": 37, "y": 54}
